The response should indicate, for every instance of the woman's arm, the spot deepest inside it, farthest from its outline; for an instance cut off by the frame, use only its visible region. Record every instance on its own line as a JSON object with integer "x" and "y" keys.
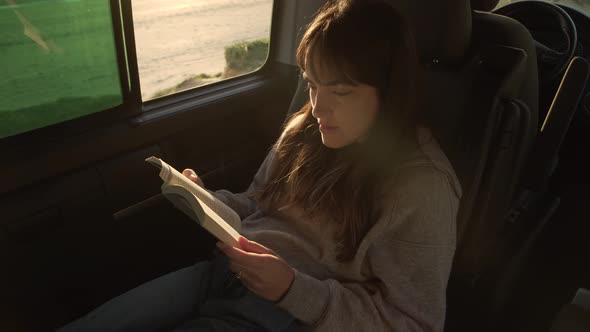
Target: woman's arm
{"x": 407, "y": 264}
{"x": 244, "y": 203}
{"x": 409, "y": 299}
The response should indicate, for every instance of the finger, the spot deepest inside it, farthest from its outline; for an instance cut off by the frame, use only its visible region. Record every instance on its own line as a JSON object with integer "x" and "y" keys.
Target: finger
{"x": 250, "y": 279}
{"x": 191, "y": 175}
{"x": 253, "y": 247}
{"x": 236, "y": 268}
{"x": 245, "y": 280}
{"x": 188, "y": 172}
{"x": 234, "y": 254}
{"x": 245, "y": 276}
{"x": 241, "y": 257}
{"x": 245, "y": 273}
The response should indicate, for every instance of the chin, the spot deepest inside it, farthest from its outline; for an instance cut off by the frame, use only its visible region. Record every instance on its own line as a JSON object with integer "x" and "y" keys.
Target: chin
{"x": 334, "y": 144}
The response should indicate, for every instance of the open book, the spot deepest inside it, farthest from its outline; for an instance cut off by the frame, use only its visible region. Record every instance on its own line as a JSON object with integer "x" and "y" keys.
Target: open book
{"x": 198, "y": 203}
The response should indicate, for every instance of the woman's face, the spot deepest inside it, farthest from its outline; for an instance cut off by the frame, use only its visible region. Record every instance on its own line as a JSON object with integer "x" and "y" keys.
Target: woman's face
{"x": 345, "y": 112}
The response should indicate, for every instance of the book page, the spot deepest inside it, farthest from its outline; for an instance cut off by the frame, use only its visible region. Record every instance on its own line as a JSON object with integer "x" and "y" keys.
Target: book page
{"x": 171, "y": 176}
{"x": 197, "y": 210}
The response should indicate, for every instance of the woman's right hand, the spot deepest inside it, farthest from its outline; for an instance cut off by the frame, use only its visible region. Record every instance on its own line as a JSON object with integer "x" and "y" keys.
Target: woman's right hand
{"x": 191, "y": 175}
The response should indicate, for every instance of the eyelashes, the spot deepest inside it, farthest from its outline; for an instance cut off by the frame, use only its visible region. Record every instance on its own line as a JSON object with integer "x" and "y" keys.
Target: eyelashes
{"x": 335, "y": 92}
{"x": 342, "y": 93}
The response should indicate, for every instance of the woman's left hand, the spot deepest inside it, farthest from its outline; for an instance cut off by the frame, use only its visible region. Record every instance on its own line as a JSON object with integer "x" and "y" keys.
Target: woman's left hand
{"x": 260, "y": 269}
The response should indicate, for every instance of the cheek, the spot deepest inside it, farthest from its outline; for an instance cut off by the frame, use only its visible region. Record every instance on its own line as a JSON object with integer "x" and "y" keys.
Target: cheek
{"x": 362, "y": 118}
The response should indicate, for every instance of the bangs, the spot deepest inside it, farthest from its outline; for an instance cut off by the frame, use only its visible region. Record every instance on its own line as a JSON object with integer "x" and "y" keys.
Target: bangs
{"x": 324, "y": 65}
{"x": 346, "y": 49}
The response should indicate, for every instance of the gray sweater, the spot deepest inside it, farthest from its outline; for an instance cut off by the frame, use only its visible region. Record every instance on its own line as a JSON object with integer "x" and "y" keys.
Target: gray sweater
{"x": 398, "y": 277}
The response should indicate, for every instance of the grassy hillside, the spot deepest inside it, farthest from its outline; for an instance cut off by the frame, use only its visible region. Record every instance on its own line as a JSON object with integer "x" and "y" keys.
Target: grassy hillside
{"x": 53, "y": 53}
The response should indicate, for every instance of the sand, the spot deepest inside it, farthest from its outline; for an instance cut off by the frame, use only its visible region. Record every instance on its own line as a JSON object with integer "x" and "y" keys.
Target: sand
{"x": 178, "y": 39}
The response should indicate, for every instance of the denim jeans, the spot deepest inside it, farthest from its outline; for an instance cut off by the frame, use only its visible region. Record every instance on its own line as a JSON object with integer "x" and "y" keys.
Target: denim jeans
{"x": 203, "y": 297}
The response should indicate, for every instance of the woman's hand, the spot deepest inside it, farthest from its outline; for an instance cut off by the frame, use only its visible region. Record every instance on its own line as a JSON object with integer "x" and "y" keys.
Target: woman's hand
{"x": 261, "y": 270}
{"x": 191, "y": 175}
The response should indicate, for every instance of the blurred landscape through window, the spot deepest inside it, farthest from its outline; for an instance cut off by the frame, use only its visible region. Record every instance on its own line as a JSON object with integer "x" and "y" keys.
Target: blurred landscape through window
{"x": 59, "y": 62}
{"x": 183, "y": 44}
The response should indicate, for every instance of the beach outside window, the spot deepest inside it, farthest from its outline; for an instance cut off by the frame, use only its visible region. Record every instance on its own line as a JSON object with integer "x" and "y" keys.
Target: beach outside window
{"x": 184, "y": 44}
{"x": 58, "y": 62}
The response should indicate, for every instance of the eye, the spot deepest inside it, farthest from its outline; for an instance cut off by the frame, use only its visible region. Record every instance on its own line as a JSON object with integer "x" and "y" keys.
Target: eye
{"x": 342, "y": 93}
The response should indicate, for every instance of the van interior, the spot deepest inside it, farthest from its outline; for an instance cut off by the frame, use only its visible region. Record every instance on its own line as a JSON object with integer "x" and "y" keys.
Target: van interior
{"x": 82, "y": 219}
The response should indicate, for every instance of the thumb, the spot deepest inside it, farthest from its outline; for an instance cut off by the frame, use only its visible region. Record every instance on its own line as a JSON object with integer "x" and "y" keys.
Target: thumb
{"x": 254, "y": 247}
{"x": 189, "y": 173}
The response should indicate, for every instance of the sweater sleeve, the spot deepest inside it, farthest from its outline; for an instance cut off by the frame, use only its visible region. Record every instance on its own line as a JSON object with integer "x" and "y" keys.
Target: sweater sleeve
{"x": 408, "y": 266}
{"x": 244, "y": 203}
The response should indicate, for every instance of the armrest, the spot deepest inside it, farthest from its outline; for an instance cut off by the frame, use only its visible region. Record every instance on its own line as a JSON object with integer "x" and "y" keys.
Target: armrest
{"x": 138, "y": 207}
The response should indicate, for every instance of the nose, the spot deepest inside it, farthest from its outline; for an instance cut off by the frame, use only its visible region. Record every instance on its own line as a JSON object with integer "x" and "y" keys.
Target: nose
{"x": 318, "y": 104}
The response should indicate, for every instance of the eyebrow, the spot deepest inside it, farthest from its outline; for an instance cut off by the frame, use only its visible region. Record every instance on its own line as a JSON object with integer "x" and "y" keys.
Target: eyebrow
{"x": 329, "y": 83}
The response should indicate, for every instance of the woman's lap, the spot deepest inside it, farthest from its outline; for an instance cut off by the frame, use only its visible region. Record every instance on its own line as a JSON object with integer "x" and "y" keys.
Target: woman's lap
{"x": 203, "y": 297}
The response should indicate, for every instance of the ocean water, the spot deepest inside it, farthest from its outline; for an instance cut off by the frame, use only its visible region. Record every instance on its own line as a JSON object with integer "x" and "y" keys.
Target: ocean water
{"x": 178, "y": 39}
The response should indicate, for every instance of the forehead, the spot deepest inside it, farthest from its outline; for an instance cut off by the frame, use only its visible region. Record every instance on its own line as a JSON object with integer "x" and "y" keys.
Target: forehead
{"x": 324, "y": 70}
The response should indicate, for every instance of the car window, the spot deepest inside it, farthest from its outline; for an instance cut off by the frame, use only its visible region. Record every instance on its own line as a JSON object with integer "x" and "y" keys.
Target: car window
{"x": 58, "y": 62}
{"x": 184, "y": 44}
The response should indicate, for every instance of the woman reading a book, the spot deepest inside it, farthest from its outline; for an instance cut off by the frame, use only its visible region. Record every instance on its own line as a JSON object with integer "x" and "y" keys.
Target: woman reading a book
{"x": 348, "y": 225}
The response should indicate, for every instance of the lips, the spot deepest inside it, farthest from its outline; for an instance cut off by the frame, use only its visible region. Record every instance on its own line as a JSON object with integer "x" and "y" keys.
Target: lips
{"x": 324, "y": 127}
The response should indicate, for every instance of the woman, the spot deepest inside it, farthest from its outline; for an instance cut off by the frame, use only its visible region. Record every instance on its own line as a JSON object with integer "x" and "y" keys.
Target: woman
{"x": 349, "y": 224}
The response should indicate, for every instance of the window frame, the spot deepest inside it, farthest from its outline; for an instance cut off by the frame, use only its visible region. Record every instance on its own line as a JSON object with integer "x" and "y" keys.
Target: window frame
{"x": 73, "y": 127}
{"x": 221, "y": 86}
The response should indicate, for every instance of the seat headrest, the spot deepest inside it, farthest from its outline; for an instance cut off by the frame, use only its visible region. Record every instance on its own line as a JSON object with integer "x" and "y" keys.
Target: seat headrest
{"x": 442, "y": 28}
{"x": 484, "y": 5}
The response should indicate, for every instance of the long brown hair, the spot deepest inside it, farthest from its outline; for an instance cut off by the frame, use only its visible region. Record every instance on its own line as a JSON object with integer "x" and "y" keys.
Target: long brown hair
{"x": 359, "y": 41}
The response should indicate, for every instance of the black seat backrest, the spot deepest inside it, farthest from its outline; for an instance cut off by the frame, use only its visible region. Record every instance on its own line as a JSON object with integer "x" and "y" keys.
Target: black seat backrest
{"x": 508, "y": 90}
{"x": 475, "y": 116}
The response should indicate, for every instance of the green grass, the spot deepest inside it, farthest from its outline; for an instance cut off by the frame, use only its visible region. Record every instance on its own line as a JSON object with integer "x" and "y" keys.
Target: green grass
{"x": 245, "y": 57}
{"x": 68, "y": 57}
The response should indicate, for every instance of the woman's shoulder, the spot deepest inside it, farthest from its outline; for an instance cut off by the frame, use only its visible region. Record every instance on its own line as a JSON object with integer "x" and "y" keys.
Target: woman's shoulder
{"x": 425, "y": 163}
{"x": 421, "y": 199}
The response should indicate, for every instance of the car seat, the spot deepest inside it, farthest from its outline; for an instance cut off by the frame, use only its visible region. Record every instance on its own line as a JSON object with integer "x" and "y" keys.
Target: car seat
{"x": 479, "y": 95}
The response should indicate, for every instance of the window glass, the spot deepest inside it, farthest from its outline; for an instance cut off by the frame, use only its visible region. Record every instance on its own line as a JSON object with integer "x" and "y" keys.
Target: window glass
{"x": 182, "y": 44}
{"x": 58, "y": 62}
